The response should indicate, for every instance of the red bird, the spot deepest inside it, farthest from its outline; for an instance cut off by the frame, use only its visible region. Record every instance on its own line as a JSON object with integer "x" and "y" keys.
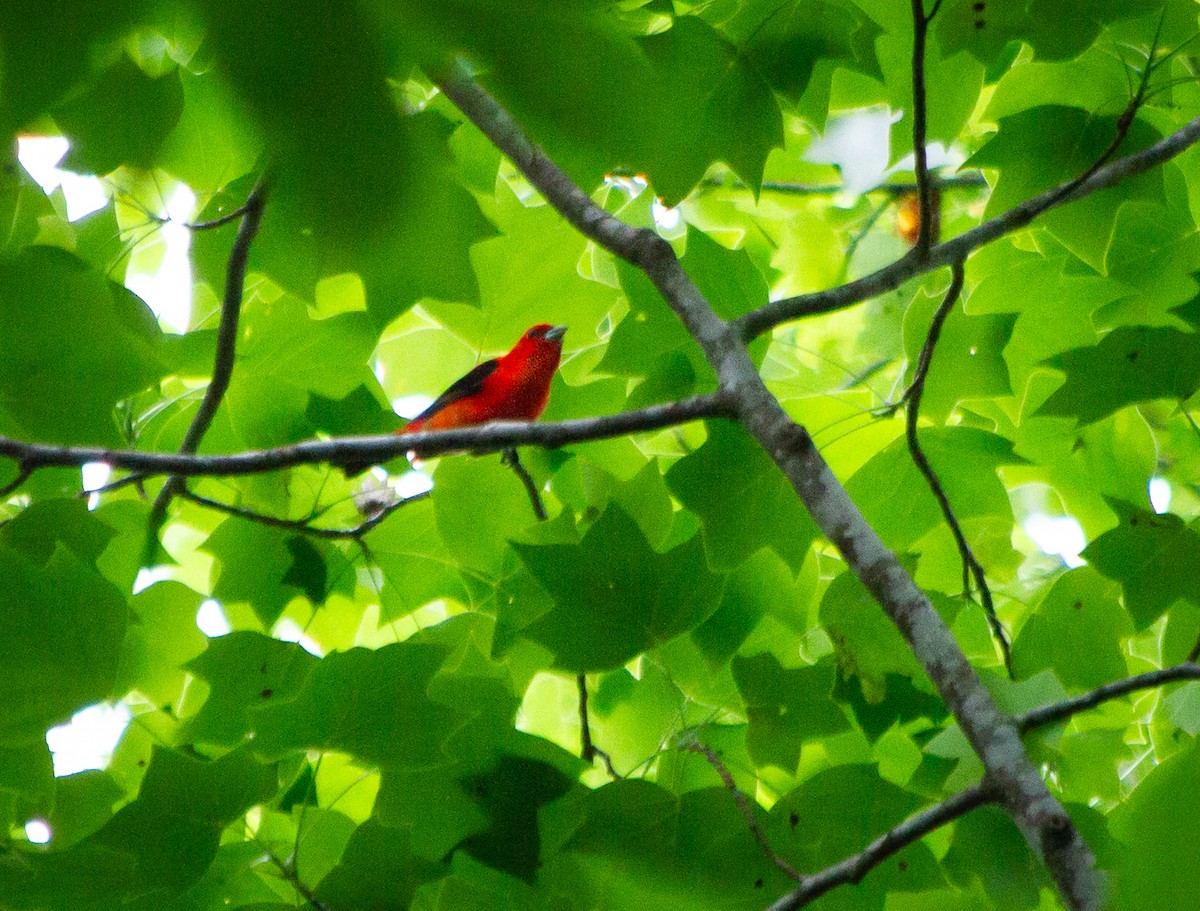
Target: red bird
{"x": 514, "y": 387}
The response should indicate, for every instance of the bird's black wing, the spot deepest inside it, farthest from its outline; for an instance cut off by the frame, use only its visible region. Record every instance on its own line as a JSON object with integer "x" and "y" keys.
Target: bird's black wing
{"x": 462, "y": 388}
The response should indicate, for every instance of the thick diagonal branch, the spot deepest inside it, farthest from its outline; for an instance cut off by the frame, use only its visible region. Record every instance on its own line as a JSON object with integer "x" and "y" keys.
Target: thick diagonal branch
{"x": 992, "y": 734}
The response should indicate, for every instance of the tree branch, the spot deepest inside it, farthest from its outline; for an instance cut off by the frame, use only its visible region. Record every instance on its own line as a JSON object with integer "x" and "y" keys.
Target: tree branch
{"x": 855, "y": 867}
{"x": 227, "y": 332}
{"x": 372, "y": 450}
{"x": 891, "y": 188}
{"x": 925, "y": 233}
{"x": 300, "y": 526}
{"x": 891, "y": 277}
{"x": 972, "y": 568}
{"x": 1059, "y": 711}
{"x": 992, "y": 734}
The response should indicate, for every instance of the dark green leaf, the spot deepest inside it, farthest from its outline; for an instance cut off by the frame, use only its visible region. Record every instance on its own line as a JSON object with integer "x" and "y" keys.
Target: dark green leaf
{"x": 786, "y": 707}
{"x": 61, "y": 629}
{"x": 720, "y": 478}
{"x": 1131, "y": 364}
{"x": 614, "y": 596}
{"x": 121, "y": 119}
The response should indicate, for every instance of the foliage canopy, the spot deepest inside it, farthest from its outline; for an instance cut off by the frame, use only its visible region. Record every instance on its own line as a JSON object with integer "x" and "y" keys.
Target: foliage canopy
{"x": 393, "y": 717}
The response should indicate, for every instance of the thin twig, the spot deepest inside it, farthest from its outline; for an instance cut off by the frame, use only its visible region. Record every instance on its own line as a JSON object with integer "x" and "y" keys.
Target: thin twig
{"x": 972, "y": 569}
{"x": 925, "y": 233}
{"x": 301, "y": 526}
{"x": 588, "y": 751}
{"x": 855, "y": 867}
{"x": 513, "y": 461}
{"x": 227, "y": 333}
{"x": 891, "y": 188}
{"x": 1050, "y": 714}
{"x": 743, "y": 804}
{"x": 372, "y": 450}
{"x": 24, "y": 470}
{"x": 218, "y": 222}
{"x": 287, "y": 871}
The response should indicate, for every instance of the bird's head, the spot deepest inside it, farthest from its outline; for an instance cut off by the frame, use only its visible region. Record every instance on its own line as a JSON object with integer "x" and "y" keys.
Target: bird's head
{"x": 546, "y": 333}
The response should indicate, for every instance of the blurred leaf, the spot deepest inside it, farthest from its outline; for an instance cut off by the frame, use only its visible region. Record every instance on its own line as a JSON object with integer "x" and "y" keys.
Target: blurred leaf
{"x": 60, "y": 637}
{"x": 1130, "y": 364}
{"x": 1155, "y": 827}
{"x": 1077, "y": 631}
{"x": 988, "y": 847}
{"x": 244, "y": 670}
{"x": 121, "y": 119}
{"x": 46, "y": 295}
{"x": 371, "y": 704}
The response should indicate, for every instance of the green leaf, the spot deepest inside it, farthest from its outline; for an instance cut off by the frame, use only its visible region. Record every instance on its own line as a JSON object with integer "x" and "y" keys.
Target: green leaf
{"x": 649, "y": 333}
{"x": 1156, "y": 827}
{"x": 60, "y": 638}
{"x": 45, "y": 296}
{"x": 121, "y": 119}
{"x": 614, "y": 596}
{"x": 529, "y": 274}
{"x": 896, "y": 499}
{"x": 1151, "y": 556}
{"x": 1076, "y": 631}
{"x": 967, "y": 363}
{"x": 415, "y": 564}
{"x": 639, "y": 846}
{"x": 720, "y": 478}
{"x": 475, "y": 536}
{"x": 244, "y": 670}
{"x": 371, "y": 704}
{"x": 162, "y": 638}
{"x": 786, "y": 42}
{"x": 1130, "y": 364}
{"x": 867, "y": 643}
{"x": 1041, "y": 147}
{"x": 814, "y": 825}
{"x": 23, "y": 206}
{"x": 710, "y": 105}
{"x": 377, "y": 866}
{"x": 267, "y": 567}
{"x": 987, "y": 846}
{"x": 214, "y": 142}
{"x": 510, "y": 796}
{"x": 154, "y": 847}
{"x": 786, "y": 708}
{"x": 763, "y": 586}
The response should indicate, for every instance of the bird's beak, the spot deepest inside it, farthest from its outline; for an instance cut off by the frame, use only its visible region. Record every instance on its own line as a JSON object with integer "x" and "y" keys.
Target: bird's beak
{"x": 555, "y": 333}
